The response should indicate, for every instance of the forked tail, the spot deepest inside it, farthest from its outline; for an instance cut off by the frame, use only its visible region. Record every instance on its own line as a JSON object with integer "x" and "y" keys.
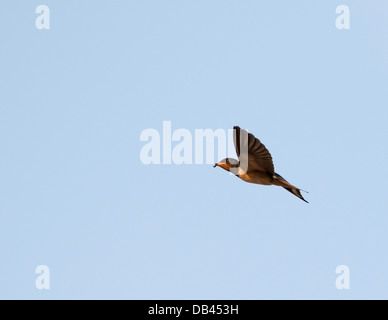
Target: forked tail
{"x": 296, "y": 192}
{"x": 280, "y": 181}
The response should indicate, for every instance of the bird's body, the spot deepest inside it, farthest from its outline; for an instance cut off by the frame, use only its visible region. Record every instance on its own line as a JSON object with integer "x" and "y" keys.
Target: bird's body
{"x": 255, "y": 163}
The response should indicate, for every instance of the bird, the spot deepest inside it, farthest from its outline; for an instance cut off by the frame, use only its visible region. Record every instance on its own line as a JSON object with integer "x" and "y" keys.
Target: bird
{"x": 255, "y": 164}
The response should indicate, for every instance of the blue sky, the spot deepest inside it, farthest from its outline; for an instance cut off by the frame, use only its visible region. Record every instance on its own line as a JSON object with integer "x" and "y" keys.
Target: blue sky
{"x": 75, "y": 196}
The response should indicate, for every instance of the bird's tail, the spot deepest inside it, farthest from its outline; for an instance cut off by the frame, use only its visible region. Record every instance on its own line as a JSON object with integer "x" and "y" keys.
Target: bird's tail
{"x": 296, "y": 192}
{"x": 280, "y": 181}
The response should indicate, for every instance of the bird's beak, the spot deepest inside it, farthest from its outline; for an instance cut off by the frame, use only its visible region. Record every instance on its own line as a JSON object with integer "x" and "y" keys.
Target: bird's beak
{"x": 215, "y": 165}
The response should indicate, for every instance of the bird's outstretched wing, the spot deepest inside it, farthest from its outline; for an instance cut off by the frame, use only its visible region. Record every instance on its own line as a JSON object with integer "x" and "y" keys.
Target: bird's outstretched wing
{"x": 257, "y": 157}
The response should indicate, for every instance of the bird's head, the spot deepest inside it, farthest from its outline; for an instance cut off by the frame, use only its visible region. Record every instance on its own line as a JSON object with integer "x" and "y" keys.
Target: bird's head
{"x": 227, "y": 164}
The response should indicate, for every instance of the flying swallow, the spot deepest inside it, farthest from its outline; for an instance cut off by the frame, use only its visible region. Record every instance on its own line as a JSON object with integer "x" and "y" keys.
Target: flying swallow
{"x": 255, "y": 164}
